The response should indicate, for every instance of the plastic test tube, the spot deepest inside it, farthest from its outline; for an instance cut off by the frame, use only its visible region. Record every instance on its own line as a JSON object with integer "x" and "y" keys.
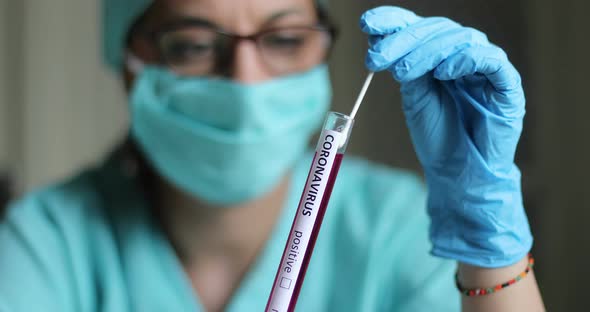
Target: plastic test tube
{"x": 312, "y": 207}
{"x": 310, "y": 212}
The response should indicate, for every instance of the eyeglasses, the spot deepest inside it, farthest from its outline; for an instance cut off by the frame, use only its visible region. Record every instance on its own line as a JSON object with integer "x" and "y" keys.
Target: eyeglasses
{"x": 194, "y": 48}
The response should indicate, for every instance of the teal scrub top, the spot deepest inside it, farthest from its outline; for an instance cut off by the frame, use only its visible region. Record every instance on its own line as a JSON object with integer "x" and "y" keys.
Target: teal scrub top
{"x": 91, "y": 244}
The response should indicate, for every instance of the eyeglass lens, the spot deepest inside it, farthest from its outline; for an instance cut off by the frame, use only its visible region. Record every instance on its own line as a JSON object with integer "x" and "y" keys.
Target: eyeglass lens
{"x": 204, "y": 51}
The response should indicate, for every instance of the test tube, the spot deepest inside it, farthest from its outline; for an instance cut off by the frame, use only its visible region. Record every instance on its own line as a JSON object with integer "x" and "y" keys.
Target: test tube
{"x": 310, "y": 212}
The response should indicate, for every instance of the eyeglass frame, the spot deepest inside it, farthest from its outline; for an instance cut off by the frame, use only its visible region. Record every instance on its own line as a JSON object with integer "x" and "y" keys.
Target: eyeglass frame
{"x": 154, "y": 36}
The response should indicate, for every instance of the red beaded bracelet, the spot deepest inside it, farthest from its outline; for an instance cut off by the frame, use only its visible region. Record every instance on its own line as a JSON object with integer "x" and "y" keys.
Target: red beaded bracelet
{"x": 470, "y": 292}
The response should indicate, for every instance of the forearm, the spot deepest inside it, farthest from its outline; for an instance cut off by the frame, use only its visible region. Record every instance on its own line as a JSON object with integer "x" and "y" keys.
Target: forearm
{"x": 521, "y": 296}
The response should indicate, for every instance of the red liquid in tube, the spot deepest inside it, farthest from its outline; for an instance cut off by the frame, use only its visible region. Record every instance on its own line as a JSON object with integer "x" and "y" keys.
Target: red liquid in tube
{"x": 316, "y": 228}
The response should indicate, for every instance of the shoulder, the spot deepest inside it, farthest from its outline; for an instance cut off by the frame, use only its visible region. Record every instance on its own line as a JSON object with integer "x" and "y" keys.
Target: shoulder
{"x": 53, "y": 241}
{"x": 80, "y": 202}
{"x": 44, "y": 243}
{"x": 376, "y": 208}
{"x": 376, "y": 193}
{"x": 380, "y": 212}
{"x": 60, "y": 205}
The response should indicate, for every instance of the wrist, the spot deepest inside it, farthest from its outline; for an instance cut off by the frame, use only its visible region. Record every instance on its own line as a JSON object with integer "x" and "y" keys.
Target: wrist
{"x": 471, "y": 276}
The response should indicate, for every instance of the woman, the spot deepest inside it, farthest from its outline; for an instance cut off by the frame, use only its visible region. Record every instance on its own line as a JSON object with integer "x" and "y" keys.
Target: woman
{"x": 192, "y": 212}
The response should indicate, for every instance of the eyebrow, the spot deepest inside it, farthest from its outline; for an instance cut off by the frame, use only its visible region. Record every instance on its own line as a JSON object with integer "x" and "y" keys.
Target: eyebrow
{"x": 183, "y": 20}
{"x": 278, "y": 15}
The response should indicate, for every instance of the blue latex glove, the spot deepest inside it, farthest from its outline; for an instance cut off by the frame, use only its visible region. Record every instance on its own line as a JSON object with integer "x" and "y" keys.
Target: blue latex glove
{"x": 464, "y": 106}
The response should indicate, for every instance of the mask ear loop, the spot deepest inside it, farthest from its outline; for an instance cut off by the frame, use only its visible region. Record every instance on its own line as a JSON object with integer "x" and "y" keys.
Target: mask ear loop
{"x": 133, "y": 63}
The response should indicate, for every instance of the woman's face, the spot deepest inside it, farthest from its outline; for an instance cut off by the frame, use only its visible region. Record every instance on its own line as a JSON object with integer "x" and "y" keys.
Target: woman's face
{"x": 241, "y": 17}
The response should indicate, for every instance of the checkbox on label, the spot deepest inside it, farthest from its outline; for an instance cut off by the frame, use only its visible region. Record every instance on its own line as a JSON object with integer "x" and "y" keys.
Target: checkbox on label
{"x": 285, "y": 283}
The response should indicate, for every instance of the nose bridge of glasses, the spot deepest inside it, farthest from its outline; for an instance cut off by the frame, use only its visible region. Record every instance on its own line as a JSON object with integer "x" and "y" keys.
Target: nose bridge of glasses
{"x": 246, "y": 63}
{"x": 237, "y": 41}
{"x": 251, "y": 37}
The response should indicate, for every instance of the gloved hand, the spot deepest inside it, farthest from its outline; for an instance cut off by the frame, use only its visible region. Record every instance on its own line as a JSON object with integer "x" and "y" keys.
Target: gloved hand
{"x": 464, "y": 106}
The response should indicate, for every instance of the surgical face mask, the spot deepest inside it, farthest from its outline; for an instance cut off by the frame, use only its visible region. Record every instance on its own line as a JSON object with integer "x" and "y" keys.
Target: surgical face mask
{"x": 222, "y": 141}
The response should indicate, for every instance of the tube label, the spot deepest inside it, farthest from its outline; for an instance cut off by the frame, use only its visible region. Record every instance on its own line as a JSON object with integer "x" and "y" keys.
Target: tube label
{"x": 296, "y": 254}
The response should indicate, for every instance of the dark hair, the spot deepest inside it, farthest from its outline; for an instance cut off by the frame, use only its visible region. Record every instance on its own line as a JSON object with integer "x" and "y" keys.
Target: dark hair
{"x": 5, "y": 193}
